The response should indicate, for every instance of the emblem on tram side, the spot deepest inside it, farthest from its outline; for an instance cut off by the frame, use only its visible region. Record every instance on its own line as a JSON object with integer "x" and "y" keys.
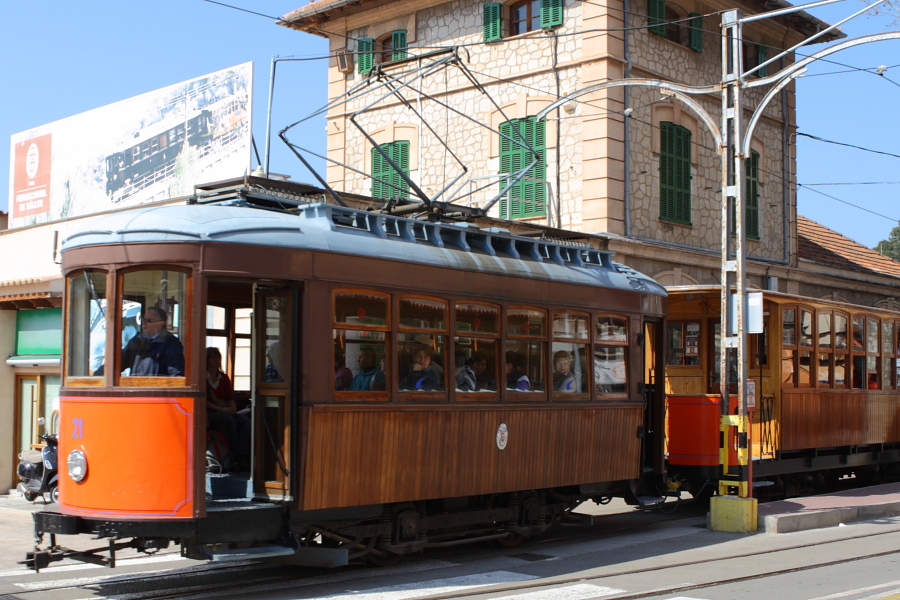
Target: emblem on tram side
{"x": 502, "y": 436}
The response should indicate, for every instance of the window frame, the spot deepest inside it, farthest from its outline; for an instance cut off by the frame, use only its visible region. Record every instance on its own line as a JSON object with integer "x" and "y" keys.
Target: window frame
{"x": 140, "y": 381}
{"x": 414, "y": 395}
{"x": 532, "y": 396}
{"x": 387, "y": 328}
{"x": 497, "y": 337}
{"x": 597, "y": 342}
{"x": 88, "y": 380}
{"x": 588, "y": 359}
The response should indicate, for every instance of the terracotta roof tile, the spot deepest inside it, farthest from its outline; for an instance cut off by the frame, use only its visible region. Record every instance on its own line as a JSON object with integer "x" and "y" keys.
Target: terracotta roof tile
{"x": 819, "y": 244}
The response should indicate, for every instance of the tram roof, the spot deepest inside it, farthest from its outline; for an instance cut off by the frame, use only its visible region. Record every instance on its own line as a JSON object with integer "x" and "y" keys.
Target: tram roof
{"x": 329, "y": 228}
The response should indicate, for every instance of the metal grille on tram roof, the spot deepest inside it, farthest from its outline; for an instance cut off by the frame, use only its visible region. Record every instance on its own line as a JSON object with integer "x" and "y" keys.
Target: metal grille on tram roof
{"x": 346, "y": 230}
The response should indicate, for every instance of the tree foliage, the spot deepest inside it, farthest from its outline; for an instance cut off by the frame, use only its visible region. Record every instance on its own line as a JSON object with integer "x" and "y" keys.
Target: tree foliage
{"x": 891, "y": 246}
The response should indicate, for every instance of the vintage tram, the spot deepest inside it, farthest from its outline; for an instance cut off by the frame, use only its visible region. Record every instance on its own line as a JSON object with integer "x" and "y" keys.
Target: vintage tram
{"x": 534, "y": 399}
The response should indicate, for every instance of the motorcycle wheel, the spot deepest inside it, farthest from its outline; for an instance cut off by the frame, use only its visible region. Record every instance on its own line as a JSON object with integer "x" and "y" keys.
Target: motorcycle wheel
{"x": 54, "y": 494}
{"x": 30, "y": 496}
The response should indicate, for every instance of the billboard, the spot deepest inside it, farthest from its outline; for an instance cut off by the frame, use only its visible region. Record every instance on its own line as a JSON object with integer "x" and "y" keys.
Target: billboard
{"x": 144, "y": 149}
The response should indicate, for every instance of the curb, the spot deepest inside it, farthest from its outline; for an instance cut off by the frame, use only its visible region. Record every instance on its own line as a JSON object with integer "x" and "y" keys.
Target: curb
{"x": 787, "y": 523}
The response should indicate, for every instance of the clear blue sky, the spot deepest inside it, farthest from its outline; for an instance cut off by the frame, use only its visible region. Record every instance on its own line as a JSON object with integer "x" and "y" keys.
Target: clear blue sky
{"x": 62, "y": 58}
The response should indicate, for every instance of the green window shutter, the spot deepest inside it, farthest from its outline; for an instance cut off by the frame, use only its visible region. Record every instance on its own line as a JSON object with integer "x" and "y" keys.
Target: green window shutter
{"x": 526, "y": 198}
{"x": 751, "y": 191}
{"x": 656, "y": 16}
{"x": 675, "y": 173}
{"x": 696, "y": 32}
{"x": 39, "y": 331}
{"x": 398, "y": 44}
{"x": 386, "y": 182}
{"x": 762, "y": 55}
{"x": 551, "y": 13}
{"x": 492, "y": 22}
{"x": 365, "y": 58}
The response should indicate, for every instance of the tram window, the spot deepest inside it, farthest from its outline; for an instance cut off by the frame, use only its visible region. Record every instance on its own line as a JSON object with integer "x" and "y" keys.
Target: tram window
{"x": 871, "y": 336}
{"x": 806, "y": 329}
{"x": 153, "y": 318}
{"x": 361, "y": 308}
{"x": 570, "y": 357}
{"x": 787, "y": 366}
{"x": 683, "y": 343}
{"x": 276, "y": 337}
{"x": 824, "y": 322}
{"x": 524, "y": 370}
{"x": 86, "y": 320}
{"x": 475, "y": 353}
{"x": 476, "y": 360}
{"x": 570, "y": 326}
{"x": 872, "y": 379}
{"x": 788, "y": 323}
{"x": 887, "y": 339}
{"x": 840, "y": 370}
{"x": 840, "y": 332}
{"x": 823, "y": 377}
{"x": 525, "y": 359}
{"x": 804, "y": 374}
{"x": 421, "y": 362}
{"x": 858, "y": 334}
{"x": 888, "y": 370}
{"x": 361, "y": 363}
{"x": 610, "y": 371}
{"x": 421, "y": 313}
{"x": 612, "y": 329}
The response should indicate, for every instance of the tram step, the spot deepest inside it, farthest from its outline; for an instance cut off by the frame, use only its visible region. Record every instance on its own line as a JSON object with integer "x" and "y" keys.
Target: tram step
{"x": 251, "y": 553}
{"x": 650, "y": 500}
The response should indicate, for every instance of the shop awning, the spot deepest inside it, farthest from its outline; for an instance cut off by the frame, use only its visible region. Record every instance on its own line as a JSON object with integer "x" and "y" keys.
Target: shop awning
{"x": 34, "y": 360}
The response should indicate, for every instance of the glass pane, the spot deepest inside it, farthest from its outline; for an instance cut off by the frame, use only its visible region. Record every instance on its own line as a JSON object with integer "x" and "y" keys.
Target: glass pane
{"x": 615, "y": 329}
{"x": 525, "y": 366}
{"x": 825, "y": 330}
{"x": 215, "y": 317}
{"x": 610, "y": 372}
{"x": 840, "y": 370}
{"x": 872, "y": 337}
{"x": 888, "y": 370}
{"x": 421, "y": 362}
{"x": 28, "y": 401}
{"x": 526, "y": 322}
{"x": 570, "y": 325}
{"x": 242, "y": 362}
{"x": 887, "y": 338}
{"x": 86, "y": 316}
{"x": 477, "y": 318}
{"x": 416, "y": 313}
{"x": 806, "y": 333}
{"x": 570, "y": 373}
{"x": 476, "y": 361}
{"x": 276, "y": 338}
{"x": 360, "y": 309}
{"x": 221, "y": 344}
{"x": 153, "y": 315}
{"x": 824, "y": 369}
{"x": 840, "y": 331}
{"x": 360, "y": 363}
{"x": 50, "y": 402}
{"x": 858, "y": 334}
{"x": 683, "y": 340}
{"x": 243, "y": 320}
{"x": 788, "y": 335}
{"x": 805, "y": 366}
{"x": 787, "y": 367}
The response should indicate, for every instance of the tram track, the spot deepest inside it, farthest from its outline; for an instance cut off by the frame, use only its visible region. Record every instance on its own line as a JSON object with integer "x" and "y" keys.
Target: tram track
{"x": 194, "y": 586}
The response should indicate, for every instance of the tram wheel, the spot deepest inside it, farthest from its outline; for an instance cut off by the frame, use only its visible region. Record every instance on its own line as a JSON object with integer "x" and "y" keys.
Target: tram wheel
{"x": 388, "y": 559}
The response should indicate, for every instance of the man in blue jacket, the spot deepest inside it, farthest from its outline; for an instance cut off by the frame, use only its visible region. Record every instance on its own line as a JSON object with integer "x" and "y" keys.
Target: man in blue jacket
{"x": 154, "y": 351}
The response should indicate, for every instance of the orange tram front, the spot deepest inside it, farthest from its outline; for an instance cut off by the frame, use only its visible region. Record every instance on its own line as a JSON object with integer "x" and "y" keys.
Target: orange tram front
{"x": 393, "y": 384}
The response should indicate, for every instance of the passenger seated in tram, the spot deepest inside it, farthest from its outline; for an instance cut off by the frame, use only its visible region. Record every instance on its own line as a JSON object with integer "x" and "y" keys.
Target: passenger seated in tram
{"x": 465, "y": 375}
{"x": 484, "y": 379}
{"x": 153, "y": 351}
{"x": 563, "y": 379}
{"x": 369, "y": 378}
{"x": 515, "y": 378}
{"x": 221, "y": 411}
{"x": 422, "y": 373}
{"x": 343, "y": 376}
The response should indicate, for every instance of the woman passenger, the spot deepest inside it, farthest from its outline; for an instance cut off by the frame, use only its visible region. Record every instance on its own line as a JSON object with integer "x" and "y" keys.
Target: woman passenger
{"x": 221, "y": 411}
{"x": 422, "y": 375}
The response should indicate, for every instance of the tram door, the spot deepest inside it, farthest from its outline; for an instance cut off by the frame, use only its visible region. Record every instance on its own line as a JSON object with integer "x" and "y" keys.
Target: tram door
{"x": 275, "y": 349}
{"x": 653, "y": 392}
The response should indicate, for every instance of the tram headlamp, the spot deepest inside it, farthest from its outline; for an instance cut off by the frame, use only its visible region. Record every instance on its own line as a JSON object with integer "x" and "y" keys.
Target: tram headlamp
{"x": 77, "y": 465}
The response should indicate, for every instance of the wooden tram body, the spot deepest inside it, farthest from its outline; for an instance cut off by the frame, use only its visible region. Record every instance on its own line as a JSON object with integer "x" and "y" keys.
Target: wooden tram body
{"x": 827, "y": 391}
{"x": 338, "y": 474}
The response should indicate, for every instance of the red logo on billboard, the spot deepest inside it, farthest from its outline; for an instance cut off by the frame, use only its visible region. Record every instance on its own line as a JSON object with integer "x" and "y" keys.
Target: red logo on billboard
{"x": 31, "y": 178}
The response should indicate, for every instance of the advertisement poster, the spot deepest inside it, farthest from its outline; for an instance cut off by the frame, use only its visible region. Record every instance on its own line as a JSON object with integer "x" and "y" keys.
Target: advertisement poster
{"x": 144, "y": 149}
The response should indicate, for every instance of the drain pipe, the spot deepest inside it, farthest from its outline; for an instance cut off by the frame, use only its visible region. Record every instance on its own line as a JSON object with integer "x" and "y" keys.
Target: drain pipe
{"x": 626, "y": 129}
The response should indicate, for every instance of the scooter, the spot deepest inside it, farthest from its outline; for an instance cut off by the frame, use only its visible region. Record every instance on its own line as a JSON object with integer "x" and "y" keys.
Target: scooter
{"x": 37, "y": 469}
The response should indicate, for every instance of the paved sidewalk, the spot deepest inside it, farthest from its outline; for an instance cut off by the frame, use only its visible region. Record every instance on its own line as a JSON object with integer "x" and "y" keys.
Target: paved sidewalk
{"x": 831, "y": 510}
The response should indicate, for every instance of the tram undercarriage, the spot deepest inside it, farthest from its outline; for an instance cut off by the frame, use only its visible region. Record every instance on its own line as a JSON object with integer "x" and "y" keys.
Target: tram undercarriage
{"x": 243, "y": 530}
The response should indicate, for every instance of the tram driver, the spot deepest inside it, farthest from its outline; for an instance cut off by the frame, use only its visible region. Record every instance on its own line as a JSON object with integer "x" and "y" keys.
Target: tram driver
{"x": 154, "y": 351}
